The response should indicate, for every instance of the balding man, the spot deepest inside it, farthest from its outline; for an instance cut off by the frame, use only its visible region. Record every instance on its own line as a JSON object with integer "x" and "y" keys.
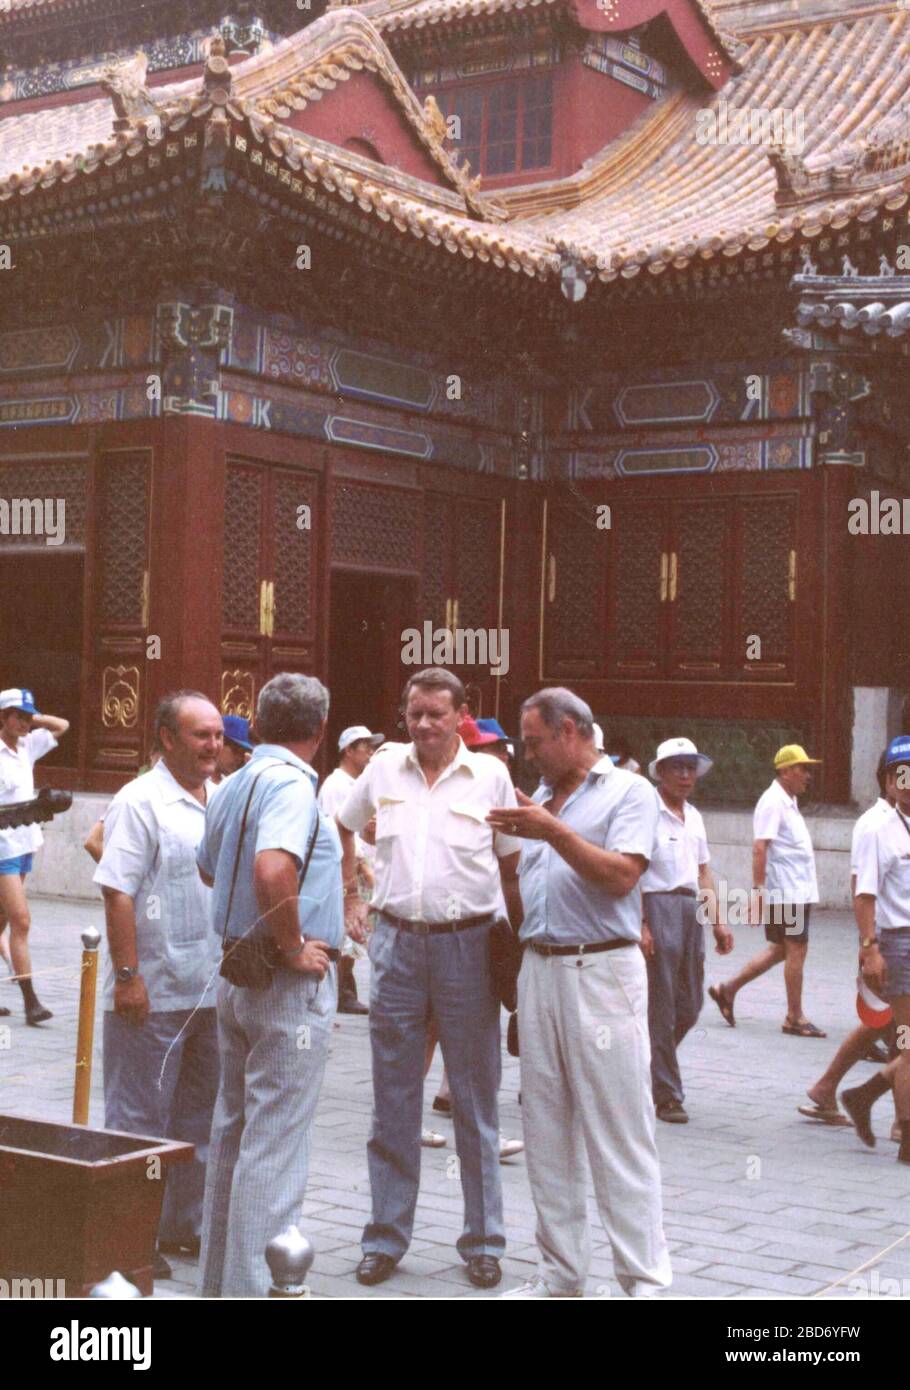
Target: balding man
{"x": 583, "y": 1004}
{"x": 163, "y": 958}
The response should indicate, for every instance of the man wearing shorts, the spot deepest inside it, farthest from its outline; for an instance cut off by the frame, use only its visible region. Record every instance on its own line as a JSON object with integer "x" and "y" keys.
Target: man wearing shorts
{"x": 25, "y": 736}
{"x": 783, "y": 888}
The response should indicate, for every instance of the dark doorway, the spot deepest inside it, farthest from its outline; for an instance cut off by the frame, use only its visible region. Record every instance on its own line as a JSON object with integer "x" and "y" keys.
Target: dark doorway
{"x": 41, "y": 637}
{"x": 368, "y": 615}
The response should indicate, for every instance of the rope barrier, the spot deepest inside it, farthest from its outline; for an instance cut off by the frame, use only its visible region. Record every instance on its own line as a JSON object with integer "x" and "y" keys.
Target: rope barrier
{"x": 859, "y": 1269}
{"x": 51, "y": 970}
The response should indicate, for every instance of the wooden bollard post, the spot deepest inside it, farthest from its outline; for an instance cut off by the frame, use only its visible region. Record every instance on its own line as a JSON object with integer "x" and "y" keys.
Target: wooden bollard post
{"x": 91, "y": 940}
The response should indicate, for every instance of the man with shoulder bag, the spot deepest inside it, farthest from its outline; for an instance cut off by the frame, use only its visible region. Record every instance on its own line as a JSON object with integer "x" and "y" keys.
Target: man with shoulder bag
{"x": 274, "y": 862}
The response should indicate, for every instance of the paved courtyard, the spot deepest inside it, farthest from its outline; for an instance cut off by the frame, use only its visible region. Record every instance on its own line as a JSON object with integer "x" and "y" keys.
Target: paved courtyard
{"x": 757, "y": 1201}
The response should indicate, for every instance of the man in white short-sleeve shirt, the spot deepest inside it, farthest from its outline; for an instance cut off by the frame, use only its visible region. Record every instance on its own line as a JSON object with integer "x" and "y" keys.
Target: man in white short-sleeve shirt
{"x": 673, "y": 938}
{"x": 161, "y": 1057}
{"x": 784, "y": 886}
{"x": 439, "y": 871}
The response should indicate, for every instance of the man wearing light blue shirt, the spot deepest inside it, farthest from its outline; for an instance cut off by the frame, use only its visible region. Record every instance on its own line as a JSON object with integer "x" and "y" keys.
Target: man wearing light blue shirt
{"x": 582, "y": 1004}
{"x": 274, "y": 862}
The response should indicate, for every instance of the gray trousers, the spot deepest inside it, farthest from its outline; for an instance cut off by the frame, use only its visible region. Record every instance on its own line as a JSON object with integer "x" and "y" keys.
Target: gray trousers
{"x": 274, "y": 1048}
{"x": 676, "y": 982}
{"x": 172, "y": 1100}
{"x": 447, "y": 977}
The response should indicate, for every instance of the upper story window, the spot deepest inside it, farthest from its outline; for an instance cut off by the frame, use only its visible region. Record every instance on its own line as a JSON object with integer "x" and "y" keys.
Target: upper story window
{"x": 506, "y": 127}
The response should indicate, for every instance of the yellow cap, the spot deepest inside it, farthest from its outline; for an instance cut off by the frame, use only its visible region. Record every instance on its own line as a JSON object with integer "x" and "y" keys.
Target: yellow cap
{"x": 790, "y": 755}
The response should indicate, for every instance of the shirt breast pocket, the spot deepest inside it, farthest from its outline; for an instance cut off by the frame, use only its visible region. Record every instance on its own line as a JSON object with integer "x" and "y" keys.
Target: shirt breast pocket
{"x": 467, "y": 830}
{"x": 390, "y": 819}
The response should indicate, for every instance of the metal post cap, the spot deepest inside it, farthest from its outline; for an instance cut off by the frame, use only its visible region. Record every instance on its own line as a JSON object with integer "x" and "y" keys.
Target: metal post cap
{"x": 115, "y": 1286}
{"x": 91, "y": 938}
{"x": 289, "y": 1257}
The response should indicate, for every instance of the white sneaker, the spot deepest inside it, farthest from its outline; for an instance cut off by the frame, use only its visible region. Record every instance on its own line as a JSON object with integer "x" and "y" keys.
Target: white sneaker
{"x": 431, "y": 1140}
{"x": 538, "y": 1288}
{"x": 508, "y": 1148}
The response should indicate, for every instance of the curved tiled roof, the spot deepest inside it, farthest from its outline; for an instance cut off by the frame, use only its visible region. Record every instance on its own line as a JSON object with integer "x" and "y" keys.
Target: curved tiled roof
{"x": 656, "y": 198}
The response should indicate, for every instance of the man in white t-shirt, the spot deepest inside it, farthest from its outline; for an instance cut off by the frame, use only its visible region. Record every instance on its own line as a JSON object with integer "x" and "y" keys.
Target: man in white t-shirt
{"x": 672, "y": 934}
{"x": 25, "y": 736}
{"x": 356, "y": 747}
{"x": 784, "y": 886}
{"x": 862, "y": 1043}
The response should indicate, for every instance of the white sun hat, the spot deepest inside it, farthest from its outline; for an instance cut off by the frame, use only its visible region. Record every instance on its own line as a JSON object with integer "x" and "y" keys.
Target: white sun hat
{"x": 680, "y": 748}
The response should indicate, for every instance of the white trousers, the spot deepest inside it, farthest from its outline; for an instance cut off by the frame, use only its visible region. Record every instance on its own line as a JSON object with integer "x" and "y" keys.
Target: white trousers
{"x": 586, "y": 1087}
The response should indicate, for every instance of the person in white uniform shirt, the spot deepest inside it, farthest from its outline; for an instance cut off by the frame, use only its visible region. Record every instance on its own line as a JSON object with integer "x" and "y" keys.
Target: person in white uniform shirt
{"x": 672, "y": 934}
{"x": 862, "y": 1044}
{"x": 784, "y": 886}
{"x": 356, "y": 747}
{"x": 25, "y": 736}
{"x": 440, "y": 870}
{"x": 882, "y": 909}
{"x": 163, "y": 959}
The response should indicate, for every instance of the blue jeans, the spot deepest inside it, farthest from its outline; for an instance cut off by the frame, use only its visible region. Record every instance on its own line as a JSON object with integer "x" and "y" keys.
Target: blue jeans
{"x": 180, "y": 1108}
{"x": 414, "y": 978}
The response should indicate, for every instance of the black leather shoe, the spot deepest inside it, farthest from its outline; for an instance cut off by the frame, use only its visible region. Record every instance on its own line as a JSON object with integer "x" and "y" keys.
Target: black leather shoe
{"x": 4, "y": 1013}
{"x": 442, "y": 1105}
{"x": 161, "y": 1269}
{"x": 37, "y": 1014}
{"x": 484, "y": 1271}
{"x": 375, "y": 1268}
{"x": 673, "y": 1112}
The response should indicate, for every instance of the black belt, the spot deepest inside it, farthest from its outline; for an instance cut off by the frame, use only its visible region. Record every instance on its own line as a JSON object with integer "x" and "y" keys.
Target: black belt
{"x": 669, "y": 892}
{"x": 588, "y": 949}
{"x": 435, "y": 928}
{"x": 231, "y": 942}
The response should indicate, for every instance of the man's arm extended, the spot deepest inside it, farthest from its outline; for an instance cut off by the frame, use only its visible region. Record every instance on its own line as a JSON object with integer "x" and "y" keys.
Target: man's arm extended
{"x": 55, "y": 726}
{"x": 610, "y": 869}
{"x": 355, "y": 909}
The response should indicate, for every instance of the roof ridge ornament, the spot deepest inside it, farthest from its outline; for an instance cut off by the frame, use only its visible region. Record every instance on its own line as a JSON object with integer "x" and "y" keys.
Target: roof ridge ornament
{"x": 125, "y": 84}
{"x": 217, "y": 78}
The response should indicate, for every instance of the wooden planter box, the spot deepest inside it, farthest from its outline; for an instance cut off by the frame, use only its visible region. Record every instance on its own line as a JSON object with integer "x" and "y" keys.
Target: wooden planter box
{"x": 77, "y": 1203}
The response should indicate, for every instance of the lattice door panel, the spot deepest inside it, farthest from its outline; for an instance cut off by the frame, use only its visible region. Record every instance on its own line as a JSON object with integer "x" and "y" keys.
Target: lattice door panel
{"x": 436, "y": 578}
{"x": 40, "y": 488}
{"x": 244, "y": 505}
{"x": 574, "y": 589}
{"x": 699, "y": 589}
{"x": 639, "y": 589}
{"x": 375, "y": 527}
{"x": 477, "y": 540}
{"x": 767, "y": 578}
{"x": 294, "y": 515}
{"x": 123, "y": 516}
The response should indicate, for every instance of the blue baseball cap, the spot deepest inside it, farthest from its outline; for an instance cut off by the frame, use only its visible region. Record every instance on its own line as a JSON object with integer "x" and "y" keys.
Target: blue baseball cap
{"x": 17, "y": 697}
{"x": 492, "y": 726}
{"x": 237, "y": 731}
{"x": 898, "y": 750}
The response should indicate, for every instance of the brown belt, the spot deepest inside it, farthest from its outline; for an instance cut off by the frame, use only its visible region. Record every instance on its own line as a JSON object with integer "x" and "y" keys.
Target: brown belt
{"x": 670, "y": 893}
{"x": 589, "y": 948}
{"x": 435, "y": 928}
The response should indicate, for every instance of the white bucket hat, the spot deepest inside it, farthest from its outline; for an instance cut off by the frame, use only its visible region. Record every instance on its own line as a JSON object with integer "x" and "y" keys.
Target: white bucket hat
{"x": 680, "y": 748}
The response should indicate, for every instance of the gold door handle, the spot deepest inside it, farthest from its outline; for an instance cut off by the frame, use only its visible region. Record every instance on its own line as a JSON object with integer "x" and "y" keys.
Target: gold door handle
{"x": 454, "y": 615}
{"x": 271, "y": 608}
{"x": 448, "y": 615}
{"x": 145, "y": 598}
{"x": 264, "y": 608}
{"x": 791, "y": 576}
{"x": 673, "y": 561}
{"x": 551, "y": 579}
{"x": 664, "y": 563}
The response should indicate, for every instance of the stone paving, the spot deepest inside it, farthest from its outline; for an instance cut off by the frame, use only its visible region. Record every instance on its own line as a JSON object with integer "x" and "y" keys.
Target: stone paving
{"x": 757, "y": 1201}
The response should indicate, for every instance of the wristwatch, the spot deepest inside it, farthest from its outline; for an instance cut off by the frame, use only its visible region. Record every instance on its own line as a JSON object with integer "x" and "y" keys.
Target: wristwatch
{"x": 296, "y": 951}
{"x": 127, "y": 973}
{"x": 866, "y": 943}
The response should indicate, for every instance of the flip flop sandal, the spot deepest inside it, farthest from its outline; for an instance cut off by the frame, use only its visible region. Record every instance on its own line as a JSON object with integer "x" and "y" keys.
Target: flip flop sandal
{"x": 829, "y": 1115}
{"x": 803, "y": 1030}
{"x": 724, "y": 1004}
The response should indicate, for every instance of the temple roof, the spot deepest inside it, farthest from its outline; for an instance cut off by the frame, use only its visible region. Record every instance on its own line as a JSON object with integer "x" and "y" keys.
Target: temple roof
{"x": 656, "y": 198}
{"x": 855, "y": 305}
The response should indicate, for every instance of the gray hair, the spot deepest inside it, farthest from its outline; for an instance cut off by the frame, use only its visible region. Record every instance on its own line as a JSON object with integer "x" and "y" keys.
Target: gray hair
{"x": 291, "y": 708}
{"x": 168, "y": 712}
{"x": 556, "y": 703}
{"x": 436, "y": 678}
